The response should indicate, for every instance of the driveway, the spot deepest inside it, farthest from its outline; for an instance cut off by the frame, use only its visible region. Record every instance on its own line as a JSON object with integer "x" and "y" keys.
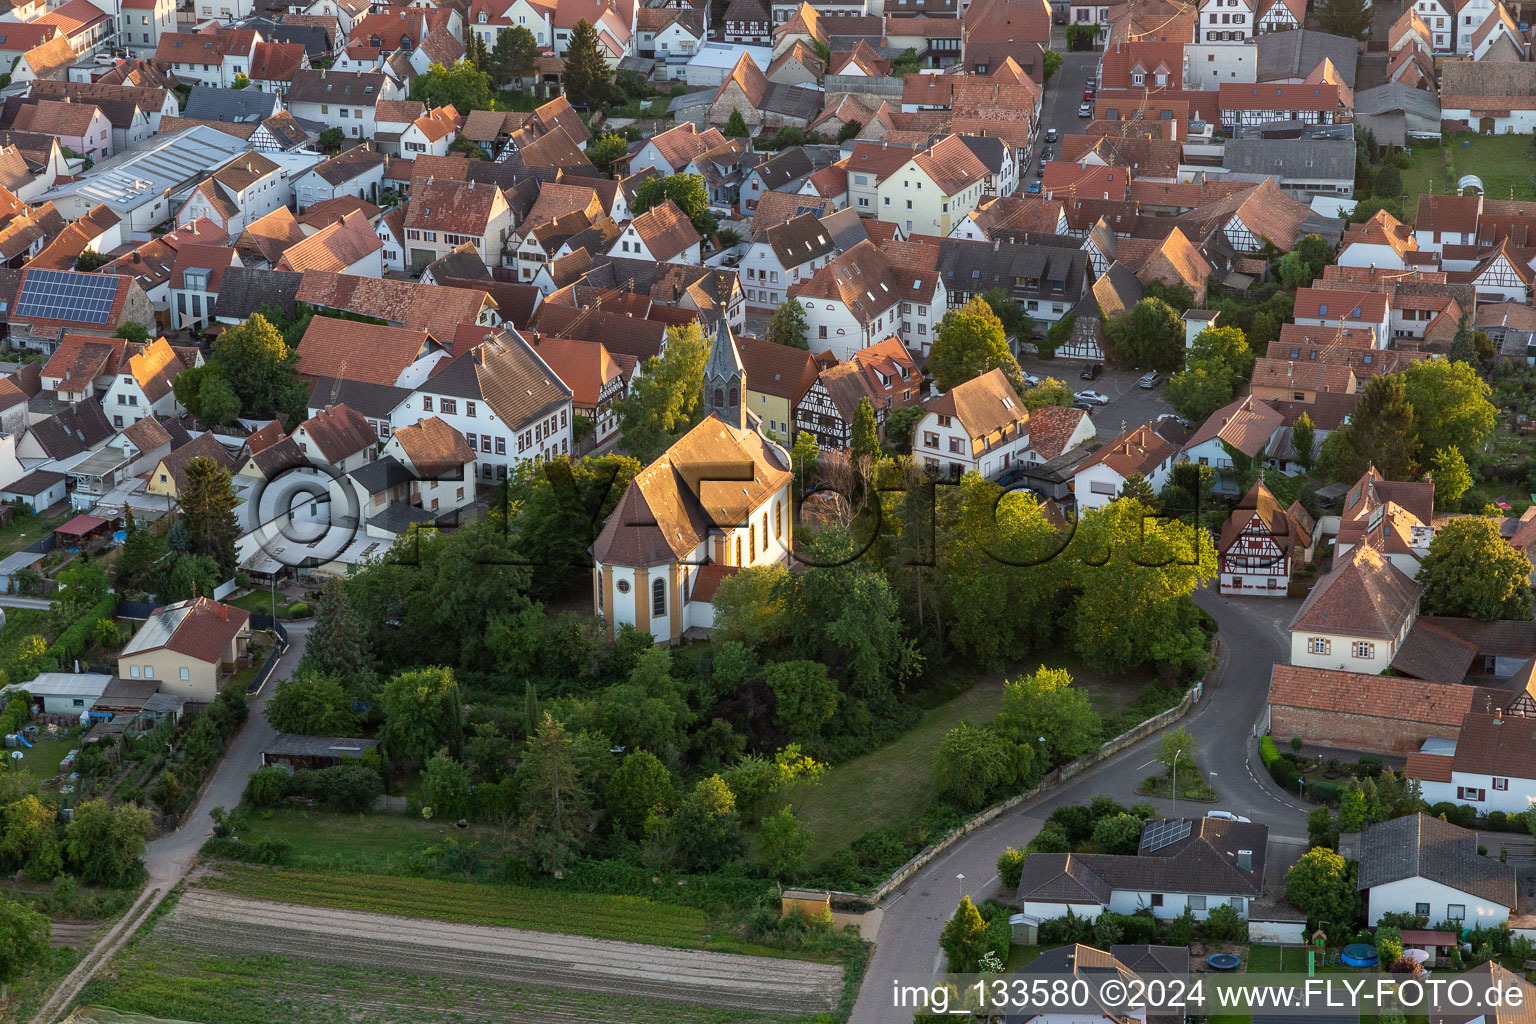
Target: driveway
{"x": 1129, "y": 406}
{"x": 1224, "y": 723}
{"x": 168, "y": 859}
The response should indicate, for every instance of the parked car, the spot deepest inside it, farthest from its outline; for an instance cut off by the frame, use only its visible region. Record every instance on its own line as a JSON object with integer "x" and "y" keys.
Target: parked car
{"x": 1092, "y": 397}
{"x": 1034, "y": 187}
{"x": 1149, "y": 379}
{"x": 1092, "y": 371}
{"x": 1050, "y": 135}
{"x": 1088, "y": 93}
{"x": 1226, "y": 816}
{"x": 1046, "y": 154}
{"x": 1085, "y": 406}
{"x": 1086, "y": 110}
{"x": 1031, "y": 380}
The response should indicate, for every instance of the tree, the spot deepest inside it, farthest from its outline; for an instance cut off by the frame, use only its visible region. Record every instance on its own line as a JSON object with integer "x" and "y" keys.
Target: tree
{"x": 1345, "y": 17}
{"x": 189, "y": 576}
{"x": 311, "y": 704}
{"x": 24, "y": 940}
{"x": 866, "y": 435}
{"x": 1049, "y": 391}
{"x": 331, "y": 140}
{"x": 905, "y": 63}
{"x": 1294, "y": 271}
{"x": 208, "y": 507}
{"x": 461, "y": 86}
{"x": 338, "y": 643}
{"x": 975, "y": 765}
{"x": 514, "y": 56}
{"x": 90, "y": 260}
{"x": 134, "y": 568}
{"x": 1016, "y": 322}
{"x": 445, "y": 786}
{"x": 1050, "y": 64}
{"x": 787, "y": 326}
{"x": 214, "y": 400}
{"x": 1451, "y": 408}
{"x": 805, "y": 460}
{"x": 1365, "y": 209}
{"x": 805, "y": 697}
{"x": 641, "y": 785}
{"x": 964, "y": 939}
{"x": 1471, "y": 571}
{"x": 687, "y": 191}
{"x": 1043, "y": 710}
{"x": 1304, "y": 440}
{"x": 1322, "y": 885}
{"x": 850, "y": 130}
{"x": 104, "y": 842}
{"x": 707, "y": 827}
{"x": 1470, "y": 345}
{"x": 423, "y": 711}
{"x": 1150, "y": 334}
{"x": 1137, "y": 488}
{"x": 1322, "y": 829}
{"x": 587, "y": 76}
{"x": 784, "y": 842}
{"x": 971, "y": 341}
{"x": 1010, "y": 867}
{"x": 1380, "y": 433}
{"x": 1452, "y": 479}
{"x": 1118, "y": 833}
{"x": 605, "y": 149}
{"x": 1317, "y": 252}
{"x": 663, "y": 402}
{"x": 30, "y": 838}
{"x": 750, "y": 607}
{"x": 81, "y": 587}
{"x": 562, "y": 512}
{"x": 554, "y": 803}
{"x": 736, "y": 126}
{"x": 1227, "y": 345}
{"x": 133, "y": 332}
{"x": 648, "y": 709}
{"x": 1199, "y": 391}
{"x": 1388, "y": 183}
{"x": 1132, "y": 567}
{"x": 1177, "y": 745}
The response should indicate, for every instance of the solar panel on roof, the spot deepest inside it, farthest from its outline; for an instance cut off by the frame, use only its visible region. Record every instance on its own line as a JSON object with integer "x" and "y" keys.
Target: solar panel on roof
{"x": 1164, "y": 832}
{"x": 66, "y": 295}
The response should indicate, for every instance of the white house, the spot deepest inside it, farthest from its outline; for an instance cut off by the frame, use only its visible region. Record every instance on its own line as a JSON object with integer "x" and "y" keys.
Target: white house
{"x": 662, "y": 234}
{"x": 1430, "y": 868}
{"x": 1226, "y": 21}
{"x": 980, "y": 426}
{"x": 1246, "y": 425}
{"x": 1196, "y": 864}
{"x": 440, "y": 461}
{"x": 1357, "y": 616}
{"x": 143, "y": 388}
{"x": 934, "y": 190}
{"x": 337, "y": 436}
{"x": 783, "y": 256}
{"x": 1330, "y": 307}
{"x": 245, "y": 189}
{"x": 852, "y": 302}
{"x": 716, "y": 501}
{"x": 1100, "y": 478}
{"x": 1492, "y": 763}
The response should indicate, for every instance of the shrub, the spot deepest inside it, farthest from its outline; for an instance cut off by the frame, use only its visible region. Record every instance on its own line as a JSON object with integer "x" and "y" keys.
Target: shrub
{"x": 1284, "y": 773}
{"x": 1224, "y": 923}
{"x": 1050, "y": 840}
{"x": 265, "y": 786}
{"x": 1104, "y": 807}
{"x": 298, "y": 610}
{"x": 1389, "y": 944}
{"x": 1062, "y": 931}
{"x": 1138, "y": 928}
{"x": 1074, "y": 821}
{"x": 1369, "y": 766}
{"x": 1010, "y": 866}
{"x": 345, "y": 787}
{"x": 1267, "y": 752}
{"x": 1324, "y": 792}
{"x": 1498, "y": 821}
{"x": 1181, "y": 929}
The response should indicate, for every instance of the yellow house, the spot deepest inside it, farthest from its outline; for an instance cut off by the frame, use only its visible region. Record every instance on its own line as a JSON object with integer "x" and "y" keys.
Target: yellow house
{"x": 934, "y": 190}
{"x": 777, "y": 378}
{"x": 169, "y": 477}
{"x": 188, "y": 647}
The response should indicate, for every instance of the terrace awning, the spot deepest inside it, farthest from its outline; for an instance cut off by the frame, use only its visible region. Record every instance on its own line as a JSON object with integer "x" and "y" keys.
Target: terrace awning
{"x": 80, "y": 526}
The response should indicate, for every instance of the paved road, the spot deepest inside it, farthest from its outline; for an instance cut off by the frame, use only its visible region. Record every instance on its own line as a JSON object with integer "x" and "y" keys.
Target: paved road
{"x": 1058, "y": 110}
{"x": 1129, "y": 406}
{"x": 1253, "y": 639}
{"x": 168, "y": 859}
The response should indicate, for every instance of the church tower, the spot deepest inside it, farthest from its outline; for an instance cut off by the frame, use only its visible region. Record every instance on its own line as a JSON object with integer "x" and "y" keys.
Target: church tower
{"x": 725, "y": 380}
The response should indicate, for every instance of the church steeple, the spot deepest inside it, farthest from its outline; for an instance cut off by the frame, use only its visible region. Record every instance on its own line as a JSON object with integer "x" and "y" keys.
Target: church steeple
{"x": 725, "y": 380}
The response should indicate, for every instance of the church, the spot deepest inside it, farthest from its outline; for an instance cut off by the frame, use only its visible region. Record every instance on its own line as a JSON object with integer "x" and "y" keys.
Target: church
{"x": 716, "y": 501}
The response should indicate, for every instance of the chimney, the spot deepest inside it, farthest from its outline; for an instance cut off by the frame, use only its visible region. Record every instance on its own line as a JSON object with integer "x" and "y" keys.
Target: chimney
{"x": 1245, "y": 860}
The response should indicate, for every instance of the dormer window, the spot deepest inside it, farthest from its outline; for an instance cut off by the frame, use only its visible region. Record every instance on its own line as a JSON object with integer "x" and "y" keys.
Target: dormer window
{"x": 1138, "y": 79}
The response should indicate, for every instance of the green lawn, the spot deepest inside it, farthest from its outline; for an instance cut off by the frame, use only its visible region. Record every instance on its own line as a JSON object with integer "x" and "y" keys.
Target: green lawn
{"x": 42, "y": 761}
{"x": 27, "y": 529}
{"x": 895, "y": 783}
{"x": 1504, "y": 162}
{"x": 363, "y": 842}
{"x": 259, "y": 602}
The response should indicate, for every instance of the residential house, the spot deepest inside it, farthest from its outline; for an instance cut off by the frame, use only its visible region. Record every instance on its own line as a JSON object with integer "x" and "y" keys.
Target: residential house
{"x": 1222, "y": 22}
{"x": 440, "y": 461}
{"x": 596, "y": 382}
{"x": 933, "y": 190}
{"x": 1447, "y": 220}
{"x": 1329, "y": 307}
{"x": 851, "y": 302}
{"x": 341, "y": 99}
{"x": 82, "y": 126}
{"x": 337, "y": 436}
{"x": 432, "y": 133}
{"x": 885, "y": 374}
{"x": 1246, "y": 426}
{"x": 502, "y": 397}
{"x": 1193, "y": 864}
{"x": 1357, "y": 616}
{"x": 358, "y": 171}
{"x": 662, "y": 234}
{"x": 1101, "y": 477}
{"x": 1488, "y": 97}
{"x": 444, "y": 215}
{"x": 169, "y": 477}
{"x": 676, "y": 533}
{"x": 144, "y": 387}
{"x": 488, "y": 19}
{"x": 368, "y": 353}
{"x": 214, "y": 56}
{"x": 348, "y": 245}
{"x": 783, "y": 172}
{"x": 82, "y": 367}
{"x": 243, "y": 190}
{"x": 1261, "y": 544}
{"x": 783, "y": 256}
{"x": 196, "y": 277}
{"x": 747, "y": 22}
{"x": 1394, "y": 515}
{"x": 188, "y": 648}
{"x": 764, "y": 105}
{"x": 52, "y": 303}
{"x": 979, "y": 426}
{"x": 1489, "y": 765}
{"x": 778, "y": 378}
{"x": 1426, "y": 867}
{"x": 86, "y": 26}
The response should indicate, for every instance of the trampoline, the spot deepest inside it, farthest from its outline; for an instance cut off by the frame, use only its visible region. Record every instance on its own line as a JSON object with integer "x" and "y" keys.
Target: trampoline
{"x": 1359, "y": 954}
{"x": 1224, "y": 961}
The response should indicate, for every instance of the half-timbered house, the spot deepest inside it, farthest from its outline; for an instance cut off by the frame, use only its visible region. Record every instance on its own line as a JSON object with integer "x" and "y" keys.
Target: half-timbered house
{"x": 1260, "y": 544}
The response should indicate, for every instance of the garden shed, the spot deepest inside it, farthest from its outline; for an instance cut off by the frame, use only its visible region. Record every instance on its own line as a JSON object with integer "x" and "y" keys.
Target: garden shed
{"x": 296, "y": 752}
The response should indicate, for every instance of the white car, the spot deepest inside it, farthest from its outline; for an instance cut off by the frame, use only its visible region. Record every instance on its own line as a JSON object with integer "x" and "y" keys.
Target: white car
{"x": 1226, "y": 816}
{"x": 1086, "y": 110}
{"x": 1092, "y": 397}
{"x": 1031, "y": 380}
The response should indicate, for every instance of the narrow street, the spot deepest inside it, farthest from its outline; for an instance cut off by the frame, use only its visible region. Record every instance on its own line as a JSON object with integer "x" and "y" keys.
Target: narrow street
{"x": 1253, "y": 638}
{"x": 168, "y": 859}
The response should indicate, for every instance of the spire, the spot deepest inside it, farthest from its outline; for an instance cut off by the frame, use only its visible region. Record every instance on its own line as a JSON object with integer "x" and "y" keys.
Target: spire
{"x": 725, "y": 380}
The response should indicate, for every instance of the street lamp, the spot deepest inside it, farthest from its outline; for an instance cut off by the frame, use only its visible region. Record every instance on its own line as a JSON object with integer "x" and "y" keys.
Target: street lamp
{"x": 960, "y": 880}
